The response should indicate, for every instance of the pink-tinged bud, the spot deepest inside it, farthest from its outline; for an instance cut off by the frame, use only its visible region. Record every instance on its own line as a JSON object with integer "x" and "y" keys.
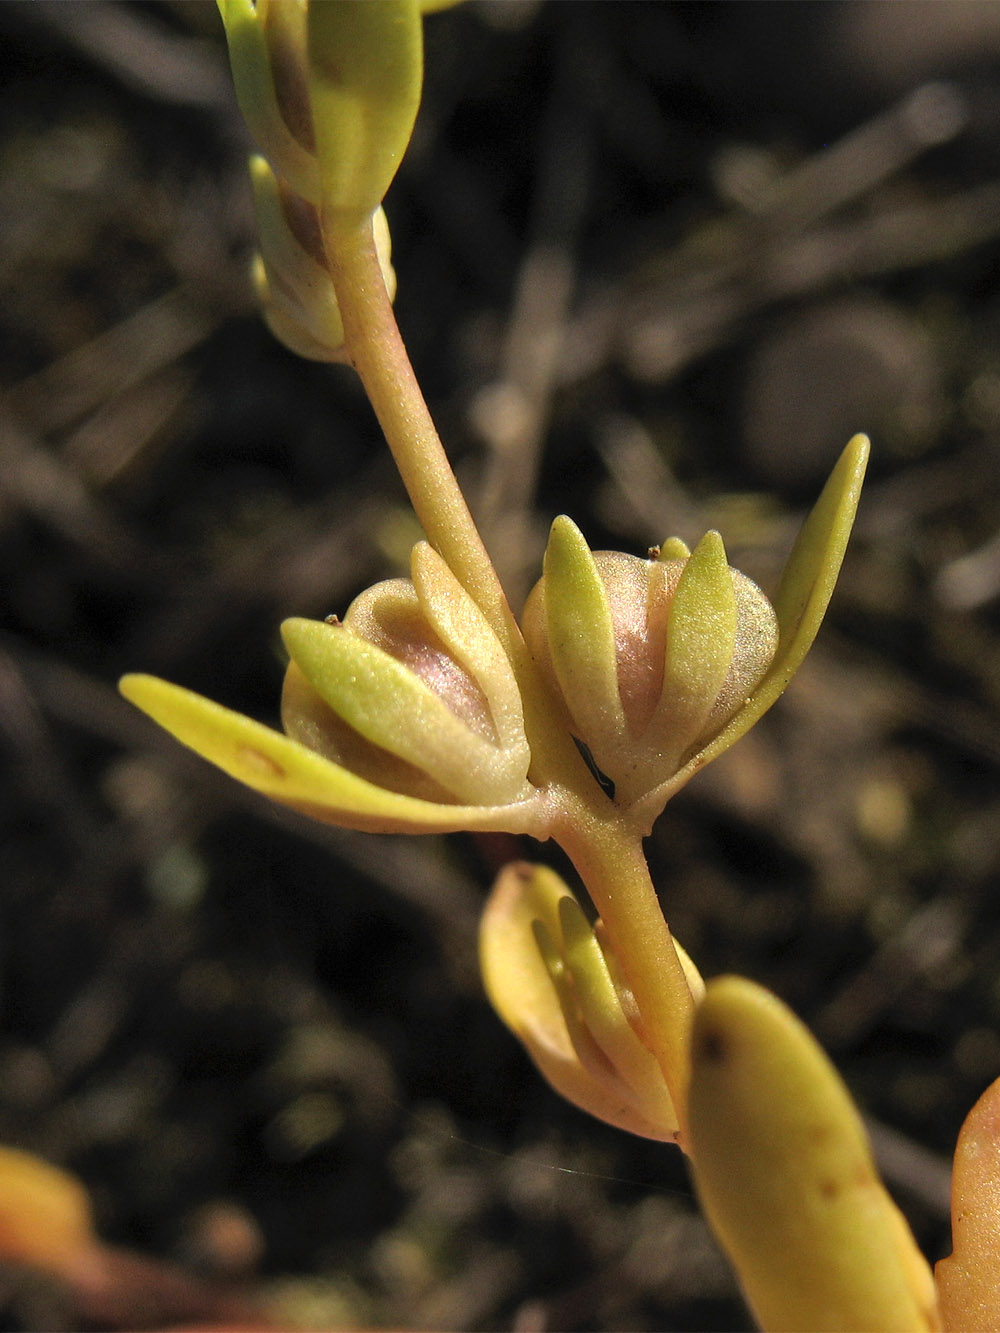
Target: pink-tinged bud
{"x": 412, "y": 692}
{"x": 651, "y": 657}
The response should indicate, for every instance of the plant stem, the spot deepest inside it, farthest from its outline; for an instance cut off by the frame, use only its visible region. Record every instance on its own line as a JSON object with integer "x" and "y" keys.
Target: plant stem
{"x": 606, "y": 852}
{"x": 379, "y": 356}
{"x": 609, "y": 858}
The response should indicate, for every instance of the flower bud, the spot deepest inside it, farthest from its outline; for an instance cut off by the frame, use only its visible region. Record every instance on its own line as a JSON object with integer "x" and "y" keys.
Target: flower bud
{"x": 412, "y": 692}
{"x": 291, "y": 272}
{"x": 651, "y": 657}
{"x": 406, "y": 718}
{"x": 556, "y": 982}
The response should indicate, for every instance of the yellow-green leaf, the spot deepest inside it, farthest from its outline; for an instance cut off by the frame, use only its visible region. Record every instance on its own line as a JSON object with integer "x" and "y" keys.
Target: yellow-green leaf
{"x": 293, "y": 283}
{"x": 673, "y": 549}
{"x": 365, "y": 76}
{"x": 250, "y": 57}
{"x": 299, "y": 290}
{"x": 701, "y": 635}
{"x": 471, "y": 642}
{"x": 522, "y": 990}
{"x": 581, "y": 635}
{"x": 602, "y": 1012}
{"x": 805, "y": 591}
{"x": 785, "y": 1174}
{"x": 288, "y": 772}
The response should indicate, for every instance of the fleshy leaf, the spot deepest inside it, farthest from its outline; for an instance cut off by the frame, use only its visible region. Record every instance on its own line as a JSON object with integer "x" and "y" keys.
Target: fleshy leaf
{"x": 296, "y": 290}
{"x": 466, "y": 633}
{"x": 969, "y": 1279}
{"x": 288, "y": 772}
{"x": 672, "y": 549}
{"x": 701, "y": 635}
{"x": 785, "y": 1174}
{"x": 521, "y": 990}
{"x": 606, "y": 1020}
{"x": 806, "y": 588}
{"x": 581, "y": 634}
{"x": 807, "y": 585}
{"x": 365, "y": 75}
{"x": 250, "y": 58}
{"x": 293, "y": 281}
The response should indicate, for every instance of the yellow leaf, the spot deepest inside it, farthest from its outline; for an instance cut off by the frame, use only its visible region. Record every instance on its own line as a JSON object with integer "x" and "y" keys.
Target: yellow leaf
{"x": 785, "y": 1174}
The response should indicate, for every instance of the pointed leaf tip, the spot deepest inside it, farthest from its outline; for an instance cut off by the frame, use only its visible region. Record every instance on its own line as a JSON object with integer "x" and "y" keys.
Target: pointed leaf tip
{"x": 814, "y": 564}
{"x": 283, "y": 769}
{"x": 807, "y": 585}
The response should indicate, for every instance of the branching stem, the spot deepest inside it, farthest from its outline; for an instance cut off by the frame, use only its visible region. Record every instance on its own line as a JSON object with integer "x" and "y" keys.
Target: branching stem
{"x": 379, "y": 355}
{"x": 605, "y": 848}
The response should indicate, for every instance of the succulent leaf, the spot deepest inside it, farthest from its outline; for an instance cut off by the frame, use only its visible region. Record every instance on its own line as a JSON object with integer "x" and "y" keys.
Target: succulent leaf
{"x": 581, "y": 636}
{"x": 785, "y": 1174}
{"x": 365, "y": 76}
{"x": 470, "y": 641}
{"x": 251, "y": 55}
{"x": 289, "y": 772}
{"x": 605, "y": 1017}
{"x": 803, "y": 597}
{"x": 672, "y": 549}
{"x": 806, "y": 587}
{"x": 391, "y": 706}
{"x": 701, "y": 637}
{"x": 293, "y": 281}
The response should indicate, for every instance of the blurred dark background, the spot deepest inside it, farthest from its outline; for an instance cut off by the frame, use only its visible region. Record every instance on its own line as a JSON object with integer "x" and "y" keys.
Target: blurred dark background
{"x": 657, "y": 263}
